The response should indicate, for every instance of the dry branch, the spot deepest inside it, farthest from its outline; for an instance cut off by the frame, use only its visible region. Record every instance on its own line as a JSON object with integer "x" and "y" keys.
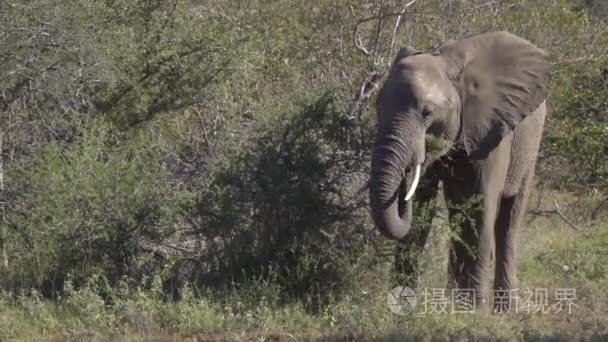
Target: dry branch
{"x": 370, "y": 84}
{"x": 541, "y": 212}
{"x": 597, "y": 210}
{"x": 565, "y": 62}
{"x": 397, "y": 24}
{"x": 380, "y": 17}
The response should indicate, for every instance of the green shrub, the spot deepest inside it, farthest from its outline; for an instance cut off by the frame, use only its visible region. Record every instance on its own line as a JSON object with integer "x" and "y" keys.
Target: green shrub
{"x": 96, "y": 206}
{"x": 290, "y": 208}
{"x": 579, "y": 136}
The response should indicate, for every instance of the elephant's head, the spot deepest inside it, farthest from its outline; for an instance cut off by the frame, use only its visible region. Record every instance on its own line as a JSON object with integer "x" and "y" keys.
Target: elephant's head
{"x": 469, "y": 94}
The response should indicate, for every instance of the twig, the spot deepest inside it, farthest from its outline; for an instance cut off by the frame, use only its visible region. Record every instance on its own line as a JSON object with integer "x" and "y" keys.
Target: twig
{"x": 597, "y": 210}
{"x": 487, "y": 4}
{"x": 384, "y": 16}
{"x": 379, "y": 25}
{"x": 574, "y": 60}
{"x": 367, "y": 88}
{"x": 380, "y": 17}
{"x": 359, "y": 44}
{"x": 397, "y": 24}
{"x": 371, "y": 82}
{"x": 357, "y": 38}
{"x": 556, "y": 211}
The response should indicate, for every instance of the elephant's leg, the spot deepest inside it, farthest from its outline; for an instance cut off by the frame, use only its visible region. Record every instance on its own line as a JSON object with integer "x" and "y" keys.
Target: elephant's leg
{"x": 481, "y": 275}
{"x": 408, "y": 250}
{"x": 474, "y": 192}
{"x": 463, "y": 241}
{"x": 471, "y": 256}
{"x": 524, "y": 153}
{"x": 510, "y": 216}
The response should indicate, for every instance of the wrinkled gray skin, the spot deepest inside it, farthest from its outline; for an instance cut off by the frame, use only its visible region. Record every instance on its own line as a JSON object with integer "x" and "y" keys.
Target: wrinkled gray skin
{"x": 485, "y": 96}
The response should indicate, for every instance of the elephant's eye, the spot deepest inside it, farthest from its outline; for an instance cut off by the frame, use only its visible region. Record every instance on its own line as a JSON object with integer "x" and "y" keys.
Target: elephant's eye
{"x": 426, "y": 111}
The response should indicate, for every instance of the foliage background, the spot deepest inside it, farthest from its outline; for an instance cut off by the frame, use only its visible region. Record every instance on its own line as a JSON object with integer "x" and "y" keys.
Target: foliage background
{"x": 161, "y": 144}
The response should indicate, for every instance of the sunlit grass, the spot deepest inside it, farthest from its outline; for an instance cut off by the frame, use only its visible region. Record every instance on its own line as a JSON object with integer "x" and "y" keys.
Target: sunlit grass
{"x": 553, "y": 256}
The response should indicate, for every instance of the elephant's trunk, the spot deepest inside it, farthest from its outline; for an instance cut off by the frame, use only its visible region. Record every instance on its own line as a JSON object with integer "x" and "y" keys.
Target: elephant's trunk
{"x": 391, "y": 208}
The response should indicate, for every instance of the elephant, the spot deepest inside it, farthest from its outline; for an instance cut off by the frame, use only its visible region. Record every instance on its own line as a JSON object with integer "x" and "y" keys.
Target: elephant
{"x": 469, "y": 115}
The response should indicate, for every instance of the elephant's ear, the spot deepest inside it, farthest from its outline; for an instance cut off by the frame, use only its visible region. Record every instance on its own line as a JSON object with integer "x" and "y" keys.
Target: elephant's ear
{"x": 501, "y": 78}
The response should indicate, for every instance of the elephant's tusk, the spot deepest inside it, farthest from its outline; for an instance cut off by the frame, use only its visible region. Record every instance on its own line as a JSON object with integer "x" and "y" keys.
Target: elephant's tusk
{"x": 410, "y": 193}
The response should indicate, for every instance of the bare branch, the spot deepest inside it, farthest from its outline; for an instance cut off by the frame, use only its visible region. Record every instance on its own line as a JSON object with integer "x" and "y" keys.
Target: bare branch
{"x": 565, "y": 62}
{"x": 397, "y": 24}
{"x": 380, "y": 17}
{"x": 359, "y": 45}
{"x": 370, "y": 85}
{"x": 357, "y": 38}
{"x": 376, "y": 39}
{"x": 596, "y": 211}
{"x": 367, "y": 88}
{"x": 383, "y": 16}
{"x": 556, "y": 211}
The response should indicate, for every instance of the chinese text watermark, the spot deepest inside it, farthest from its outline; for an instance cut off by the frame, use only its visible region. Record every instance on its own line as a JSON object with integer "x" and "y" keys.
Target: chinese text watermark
{"x": 403, "y": 300}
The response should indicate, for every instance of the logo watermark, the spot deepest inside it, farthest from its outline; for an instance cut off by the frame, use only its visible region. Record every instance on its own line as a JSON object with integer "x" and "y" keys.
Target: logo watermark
{"x": 403, "y": 300}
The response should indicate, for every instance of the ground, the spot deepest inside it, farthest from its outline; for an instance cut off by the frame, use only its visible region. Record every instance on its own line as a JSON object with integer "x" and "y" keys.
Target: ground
{"x": 554, "y": 256}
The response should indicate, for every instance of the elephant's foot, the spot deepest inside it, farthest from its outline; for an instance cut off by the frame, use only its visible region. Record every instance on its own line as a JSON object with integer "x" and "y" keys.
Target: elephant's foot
{"x": 483, "y": 301}
{"x": 466, "y": 294}
{"x": 462, "y": 279}
{"x": 506, "y": 293}
{"x": 505, "y": 301}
